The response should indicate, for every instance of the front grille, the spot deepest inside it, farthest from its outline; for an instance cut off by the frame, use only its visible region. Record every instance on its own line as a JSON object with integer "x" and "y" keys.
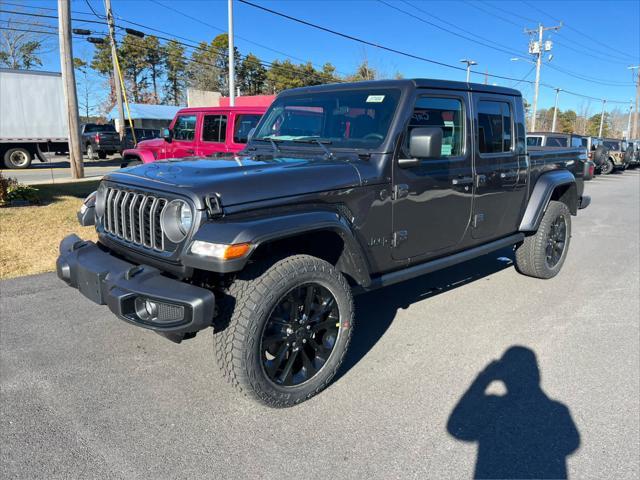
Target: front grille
{"x": 134, "y": 217}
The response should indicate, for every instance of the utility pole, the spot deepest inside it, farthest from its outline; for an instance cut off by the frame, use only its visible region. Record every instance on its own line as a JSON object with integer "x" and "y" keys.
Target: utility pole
{"x": 116, "y": 73}
{"x": 555, "y": 110}
{"x": 69, "y": 82}
{"x": 629, "y": 133}
{"x": 537, "y": 48}
{"x": 636, "y": 132}
{"x": 469, "y": 63}
{"x": 232, "y": 74}
{"x": 486, "y": 76}
{"x": 604, "y": 103}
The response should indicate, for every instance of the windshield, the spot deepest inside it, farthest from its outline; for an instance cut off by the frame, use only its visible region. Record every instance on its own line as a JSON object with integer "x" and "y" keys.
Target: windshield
{"x": 612, "y": 145}
{"x": 348, "y": 119}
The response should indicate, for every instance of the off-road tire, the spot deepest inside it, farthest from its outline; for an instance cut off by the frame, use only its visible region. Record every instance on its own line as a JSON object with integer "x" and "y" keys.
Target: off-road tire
{"x": 607, "y": 167}
{"x": 17, "y": 158}
{"x": 531, "y": 254}
{"x": 247, "y": 307}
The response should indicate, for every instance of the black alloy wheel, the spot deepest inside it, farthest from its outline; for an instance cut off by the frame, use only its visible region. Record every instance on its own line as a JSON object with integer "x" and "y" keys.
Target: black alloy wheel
{"x": 299, "y": 335}
{"x": 556, "y": 241}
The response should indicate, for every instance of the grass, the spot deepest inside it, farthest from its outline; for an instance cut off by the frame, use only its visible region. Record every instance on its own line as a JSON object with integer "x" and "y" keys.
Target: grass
{"x": 30, "y": 236}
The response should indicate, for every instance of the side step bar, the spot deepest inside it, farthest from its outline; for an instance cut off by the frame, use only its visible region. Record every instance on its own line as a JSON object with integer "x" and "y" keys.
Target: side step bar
{"x": 440, "y": 263}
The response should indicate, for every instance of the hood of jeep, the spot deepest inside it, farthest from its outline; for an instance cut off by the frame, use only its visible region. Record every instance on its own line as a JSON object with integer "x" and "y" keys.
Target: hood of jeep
{"x": 240, "y": 179}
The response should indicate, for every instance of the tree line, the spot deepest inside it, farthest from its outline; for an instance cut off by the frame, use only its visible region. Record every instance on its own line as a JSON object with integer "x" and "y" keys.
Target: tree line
{"x": 161, "y": 73}
{"x": 570, "y": 121}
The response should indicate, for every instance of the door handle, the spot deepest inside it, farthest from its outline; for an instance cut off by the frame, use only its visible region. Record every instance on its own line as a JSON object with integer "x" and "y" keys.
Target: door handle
{"x": 509, "y": 175}
{"x": 462, "y": 181}
{"x": 188, "y": 150}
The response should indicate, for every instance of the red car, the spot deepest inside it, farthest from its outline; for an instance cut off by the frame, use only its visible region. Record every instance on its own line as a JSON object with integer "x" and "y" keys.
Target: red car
{"x": 199, "y": 131}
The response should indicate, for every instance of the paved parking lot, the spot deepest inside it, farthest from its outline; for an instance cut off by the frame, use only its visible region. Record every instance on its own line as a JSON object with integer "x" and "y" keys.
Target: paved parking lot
{"x": 57, "y": 169}
{"x": 85, "y": 395}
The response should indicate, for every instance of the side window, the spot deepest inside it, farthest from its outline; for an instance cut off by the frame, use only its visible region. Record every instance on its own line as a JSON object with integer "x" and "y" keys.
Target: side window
{"x": 244, "y": 124}
{"x": 185, "y": 128}
{"x": 534, "y": 141}
{"x": 214, "y": 128}
{"x": 444, "y": 113}
{"x": 578, "y": 142}
{"x": 494, "y": 127}
{"x": 556, "y": 142}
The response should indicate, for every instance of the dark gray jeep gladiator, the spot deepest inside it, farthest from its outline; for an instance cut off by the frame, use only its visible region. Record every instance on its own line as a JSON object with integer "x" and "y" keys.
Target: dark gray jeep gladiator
{"x": 341, "y": 189}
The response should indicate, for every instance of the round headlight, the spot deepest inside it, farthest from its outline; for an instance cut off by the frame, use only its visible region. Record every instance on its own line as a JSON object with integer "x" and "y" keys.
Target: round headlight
{"x": 176, "y": 220}
{"x": 101, "y": 199}
{"x": 186, "y": 218}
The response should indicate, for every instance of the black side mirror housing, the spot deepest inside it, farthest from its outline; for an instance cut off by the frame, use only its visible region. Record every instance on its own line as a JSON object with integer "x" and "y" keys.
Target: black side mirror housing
{"x": 167, "y": 134}
{"x": 424, "y": 142}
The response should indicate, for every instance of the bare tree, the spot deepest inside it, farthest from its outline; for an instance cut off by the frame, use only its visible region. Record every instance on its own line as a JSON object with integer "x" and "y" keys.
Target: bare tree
{"x": 21, "y": 46}
{"x": 582, "y": 120}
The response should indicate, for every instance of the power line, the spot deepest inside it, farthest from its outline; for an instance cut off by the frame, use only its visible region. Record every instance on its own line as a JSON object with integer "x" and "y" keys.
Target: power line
{"x": 589, "y": 37}
{"x": 376, "y": 45}
{"x": 503, "y": 49}
{"x": 202, "y": 22}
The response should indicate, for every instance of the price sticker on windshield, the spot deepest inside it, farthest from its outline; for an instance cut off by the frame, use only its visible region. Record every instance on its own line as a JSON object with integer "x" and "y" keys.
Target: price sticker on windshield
{"x": 375, "y": 99}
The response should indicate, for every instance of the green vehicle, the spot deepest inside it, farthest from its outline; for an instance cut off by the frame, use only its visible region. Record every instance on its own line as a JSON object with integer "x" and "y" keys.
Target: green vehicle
{"x": 618, "y": 159}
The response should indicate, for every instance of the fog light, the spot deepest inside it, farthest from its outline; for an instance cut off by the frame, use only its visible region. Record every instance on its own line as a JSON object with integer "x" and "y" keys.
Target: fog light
{"x": 146, "y": 309}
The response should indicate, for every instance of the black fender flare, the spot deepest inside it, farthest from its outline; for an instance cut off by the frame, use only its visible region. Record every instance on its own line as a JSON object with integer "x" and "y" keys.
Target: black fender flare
{"x": 541, "y": 195}
{"x": 259, "y": 231}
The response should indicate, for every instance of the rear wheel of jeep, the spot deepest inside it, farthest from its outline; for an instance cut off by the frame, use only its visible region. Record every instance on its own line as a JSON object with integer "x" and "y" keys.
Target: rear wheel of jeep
{"x": 542, "y": 255}
{"x": 284, "y": 329}
{"x": 607, "y": 167}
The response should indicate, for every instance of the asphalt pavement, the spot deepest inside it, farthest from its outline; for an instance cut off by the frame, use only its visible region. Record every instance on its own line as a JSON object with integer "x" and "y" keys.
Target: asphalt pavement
{"x": 84, "y": 395}
{"x": 57, "y": 169}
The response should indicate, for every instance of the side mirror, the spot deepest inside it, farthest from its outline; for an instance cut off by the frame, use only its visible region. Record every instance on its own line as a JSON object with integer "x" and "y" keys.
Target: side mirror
{"x": 167, "y": 134}
{"x": 424, "y": 142}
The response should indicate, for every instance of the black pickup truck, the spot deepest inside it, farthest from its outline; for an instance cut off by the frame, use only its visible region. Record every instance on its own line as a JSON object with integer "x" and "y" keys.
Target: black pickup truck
{"x": 342, "y": 188}
{"x": 99, "y": 140}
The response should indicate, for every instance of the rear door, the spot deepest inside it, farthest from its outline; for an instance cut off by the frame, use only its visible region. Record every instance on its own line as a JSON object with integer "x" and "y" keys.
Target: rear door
{"x": 183, "y": 143}
{"x": 501, "y": 167}
{"x": 214, "y": 133}
{"x": 433, "y": 200}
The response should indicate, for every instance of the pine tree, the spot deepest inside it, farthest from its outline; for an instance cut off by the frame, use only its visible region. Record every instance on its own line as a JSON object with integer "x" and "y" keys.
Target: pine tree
{"x": 175, "y": 66}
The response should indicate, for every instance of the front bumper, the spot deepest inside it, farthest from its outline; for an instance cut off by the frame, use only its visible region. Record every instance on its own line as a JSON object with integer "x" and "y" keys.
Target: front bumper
{"x": 124, "y": 287}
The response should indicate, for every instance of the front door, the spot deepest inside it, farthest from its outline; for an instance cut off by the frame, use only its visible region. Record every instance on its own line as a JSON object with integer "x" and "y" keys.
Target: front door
{"x": 433, "y": 200}
{"x": 184, "y": 137}
{"x": 501, "y": 168}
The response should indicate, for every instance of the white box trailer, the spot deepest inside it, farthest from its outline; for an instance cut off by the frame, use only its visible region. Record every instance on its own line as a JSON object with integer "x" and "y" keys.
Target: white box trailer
{"x": 33, "y": 116}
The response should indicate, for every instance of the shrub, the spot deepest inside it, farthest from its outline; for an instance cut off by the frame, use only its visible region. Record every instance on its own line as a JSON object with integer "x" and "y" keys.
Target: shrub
{"x": 11, "y": 191}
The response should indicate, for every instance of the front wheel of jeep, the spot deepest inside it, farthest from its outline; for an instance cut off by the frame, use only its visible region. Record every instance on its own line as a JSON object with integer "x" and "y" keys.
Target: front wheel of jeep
{"x": 607, "y": 167}
{"x": 284, "y": 329}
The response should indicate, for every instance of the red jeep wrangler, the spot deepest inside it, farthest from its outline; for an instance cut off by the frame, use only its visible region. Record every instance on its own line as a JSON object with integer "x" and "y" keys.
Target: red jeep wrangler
{"x": 199, "y": 132}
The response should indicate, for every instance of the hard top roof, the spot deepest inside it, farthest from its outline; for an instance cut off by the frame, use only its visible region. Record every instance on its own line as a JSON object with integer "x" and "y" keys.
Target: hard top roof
{"x": 406, "y": 83}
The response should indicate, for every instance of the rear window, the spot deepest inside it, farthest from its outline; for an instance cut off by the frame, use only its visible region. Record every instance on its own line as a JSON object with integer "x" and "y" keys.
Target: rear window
{"x": 612, "y": 145}
{"x": 534, "y": 141}
{"x": 578, "y": 142}
{"x": 494, "y": 127}
{"x": 99, "y": 128}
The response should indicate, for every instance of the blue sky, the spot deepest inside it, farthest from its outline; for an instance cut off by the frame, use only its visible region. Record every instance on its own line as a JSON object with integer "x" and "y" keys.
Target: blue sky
{"x": 599, "y": 39}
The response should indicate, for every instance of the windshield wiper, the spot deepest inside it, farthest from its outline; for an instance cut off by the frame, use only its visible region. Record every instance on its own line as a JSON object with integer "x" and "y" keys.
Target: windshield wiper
{"x": 323, "y": 144}
{"x": 274, "y": 144}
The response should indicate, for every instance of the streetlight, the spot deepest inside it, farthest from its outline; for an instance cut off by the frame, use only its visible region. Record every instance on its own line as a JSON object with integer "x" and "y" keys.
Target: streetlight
{"x": 469, "y": 63}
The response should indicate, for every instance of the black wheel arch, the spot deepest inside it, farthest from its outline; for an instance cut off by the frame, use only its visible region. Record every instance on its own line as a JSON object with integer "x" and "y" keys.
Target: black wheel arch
{"x": 324, "y": 234}
{"x": 557, "y": 185}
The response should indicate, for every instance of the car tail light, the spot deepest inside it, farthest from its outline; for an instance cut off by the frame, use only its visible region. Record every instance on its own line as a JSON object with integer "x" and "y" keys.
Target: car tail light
{"x": 592, "y": 169}
{"x": 97, "y": 137}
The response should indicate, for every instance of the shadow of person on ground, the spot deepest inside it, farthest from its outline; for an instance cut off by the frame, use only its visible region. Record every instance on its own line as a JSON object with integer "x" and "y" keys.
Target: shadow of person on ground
{"x": 520, "y": 434}
{"x": 375, "y": 311}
